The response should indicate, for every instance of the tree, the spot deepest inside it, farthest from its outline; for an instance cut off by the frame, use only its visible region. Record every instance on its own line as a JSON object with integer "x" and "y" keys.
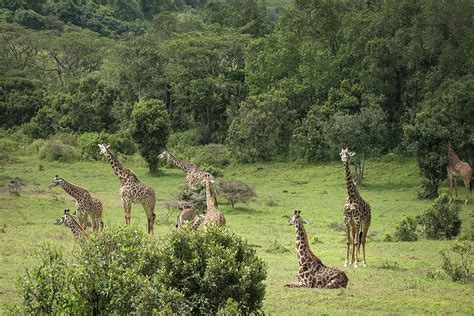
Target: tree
{"x": 262, "y": 129}
{"x": 445, "y": 114}
{"x": 235, "y": 191}
{"x": 150, "y": 128}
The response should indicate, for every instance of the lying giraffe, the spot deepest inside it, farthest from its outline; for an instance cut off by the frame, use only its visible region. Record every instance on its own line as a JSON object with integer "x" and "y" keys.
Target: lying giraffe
{"x": 357, "y": 214}
{"x": 86, "y": 204}
{"x": 67, "y": 219}
{"x": 312, "y": 272}
{"x": 458, "y": 168}
{"x": 131, "y": 189}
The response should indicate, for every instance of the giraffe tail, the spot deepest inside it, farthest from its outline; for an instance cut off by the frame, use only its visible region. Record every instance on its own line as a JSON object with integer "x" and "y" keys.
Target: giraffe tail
{"x": 360, "y": 240}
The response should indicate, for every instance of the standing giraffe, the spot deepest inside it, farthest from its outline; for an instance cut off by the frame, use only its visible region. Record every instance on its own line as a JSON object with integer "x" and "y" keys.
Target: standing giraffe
{"x": 86, "y": 204}
{"x": 357, "y": 214}
{"x": 213, "y": 215}
{"x": 193, "y": 174}
{"x": 458, "y": 168}
{"x": 77, "y": 230}
{"x": 131, "y": 189}
{"x": 312, "y": 272}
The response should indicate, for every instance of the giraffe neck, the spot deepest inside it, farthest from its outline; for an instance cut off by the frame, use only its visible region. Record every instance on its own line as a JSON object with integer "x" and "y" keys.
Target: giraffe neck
{"x": 452, "y": 156}
{"x": 119, "y": 170}
{"x": 73, "y": 190}
{"x": 351, "y": 188}
{"x": 209, "y": 197}
{"x": 303, "y": 250}
{"x": 76, "y": 228}
{"x": 181, "y": 164}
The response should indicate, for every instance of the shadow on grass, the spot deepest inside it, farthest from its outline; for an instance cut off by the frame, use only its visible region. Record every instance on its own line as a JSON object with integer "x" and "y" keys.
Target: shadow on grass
{"x": 240, "y": 210}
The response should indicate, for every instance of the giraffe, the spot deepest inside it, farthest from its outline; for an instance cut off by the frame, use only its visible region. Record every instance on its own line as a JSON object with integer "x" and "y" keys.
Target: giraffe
{"x": 85, "y": 203}
{"x": 193, "y": 173}
{"x": 213, "y": 215}
{"x": 458, "y": 168}
{"x": 312, "y": 272}
{"x": 186, "y": 214}
{"x": 357, "y": 214}
{"x": 77, "y": 230}
{"x": 131, "y": 189}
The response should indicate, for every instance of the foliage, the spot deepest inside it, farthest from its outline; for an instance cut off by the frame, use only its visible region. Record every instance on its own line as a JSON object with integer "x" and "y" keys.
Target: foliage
{"x": 406, "y": 230}
{"x": 196, "y": 196}
{"x": 212, "y": 154}
{"x": 457, "y": 262}
{"x": 150, "y": 129}
{"x": 215, "y": 171}
{"x": 206, "y": 268}
{"x": 262, "y": 129}
{"x": 87, "y": 143}
{"x": 441, "y": 220}
{"x": 235, "y": 191}
{"x": 57, "y": 149}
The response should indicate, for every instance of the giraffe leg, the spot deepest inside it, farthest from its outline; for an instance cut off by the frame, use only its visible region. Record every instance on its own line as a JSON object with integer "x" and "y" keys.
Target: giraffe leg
{"x": 296, "y": 284}
{"x": 127, "y": 207}
{"x": 353, "y": 240}
{"x": 348, "y": 241}
{"x": 333, "y": 284}
{"x": 467, "y": 185}
{"x": 455, "y": 186}
{"x": 365, "y": 229}
{"x": 356, "y": 243}
{"x": 450, "y": 179}
{"x": 150, "y": 215}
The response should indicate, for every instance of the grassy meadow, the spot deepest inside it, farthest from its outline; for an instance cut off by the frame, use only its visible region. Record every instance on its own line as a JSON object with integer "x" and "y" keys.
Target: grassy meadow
{"x": 394, "y": 282}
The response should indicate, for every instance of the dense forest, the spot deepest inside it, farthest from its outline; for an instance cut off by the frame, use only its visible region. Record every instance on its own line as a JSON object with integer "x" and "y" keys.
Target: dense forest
{"x": 232, "y": 77}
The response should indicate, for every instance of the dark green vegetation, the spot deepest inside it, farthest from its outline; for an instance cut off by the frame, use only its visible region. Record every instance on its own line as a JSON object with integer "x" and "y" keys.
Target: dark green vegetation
{"x": 294, "y": 81}
{"x": 401, "y": 277}
{"x": 121, "y": 271}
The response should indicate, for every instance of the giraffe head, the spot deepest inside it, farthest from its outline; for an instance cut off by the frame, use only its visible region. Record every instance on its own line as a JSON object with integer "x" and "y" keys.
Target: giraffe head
{"x": 346, "y": 154}
{"x": 56, "y": 181}
{"x": 296, "y": 218}
{"x": 206, "y": 176}
{"x": 103, "y": 148}
{"x": 62, "y": 220}
{"x": 164, "y": 155}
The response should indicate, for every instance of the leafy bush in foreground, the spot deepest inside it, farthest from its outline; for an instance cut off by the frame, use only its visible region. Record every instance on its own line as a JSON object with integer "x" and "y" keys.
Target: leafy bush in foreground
{"x": 123, "y": 271}
{"x": 406, "y": 230}
{"x": 441, "y": 220}
{"x": 457, "y": 262}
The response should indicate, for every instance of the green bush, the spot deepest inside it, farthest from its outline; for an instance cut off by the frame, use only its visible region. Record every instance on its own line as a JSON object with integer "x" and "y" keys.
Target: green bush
{"x": 457, "y": 262}
{"x": 120, "y": 142}
{"x": 209, "y": 267}
{"x": 123, "y": 271}
{"x": 196, "y": 196}
{"x": 441, "y": 220}
{"x": 215, "y": 171}
{"x": 406, "y": 230}
{"x": 57, "y": 150}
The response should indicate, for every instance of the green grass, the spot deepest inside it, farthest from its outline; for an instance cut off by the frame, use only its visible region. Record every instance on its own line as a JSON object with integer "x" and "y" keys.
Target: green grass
{"x": 394, "y": 281}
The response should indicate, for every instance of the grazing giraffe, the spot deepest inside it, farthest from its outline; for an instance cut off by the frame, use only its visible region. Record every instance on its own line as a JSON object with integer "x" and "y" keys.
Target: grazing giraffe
{"x": 86, "y": 204}
{"x": 213, "y": 215}
{"x": 312, "y": 272}
{"x": 186, "y": 214}
{"x": 77, "y": 230}
{"x": 458, "y": 168}
{"x": 357, "y": 214}
{"x": 131, "y": 189}
{"x": 193, "y": 174}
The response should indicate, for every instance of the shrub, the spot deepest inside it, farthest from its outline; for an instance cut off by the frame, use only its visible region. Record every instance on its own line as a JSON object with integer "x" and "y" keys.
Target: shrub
{"x": 57, "y": 150}
{"x": 460, "y": 269}
{"x": 406, "y": 230}
{"x": 235, "y": 191}
{"x": 206, "y": 268}
{"x": 441, "y": 220}
{"x": 121, "y": 143}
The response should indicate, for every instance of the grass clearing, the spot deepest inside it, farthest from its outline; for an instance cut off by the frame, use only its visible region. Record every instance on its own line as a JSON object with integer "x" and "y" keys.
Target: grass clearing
{"x": 396, "y": 279}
